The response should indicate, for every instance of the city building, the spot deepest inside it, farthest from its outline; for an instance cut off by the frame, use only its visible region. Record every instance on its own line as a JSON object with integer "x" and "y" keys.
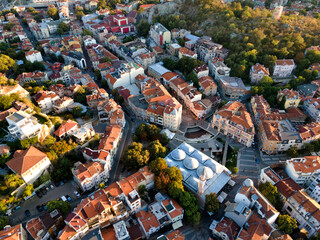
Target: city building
{"x": 283, "y": 68}
{"x": 234, "y": 121}
{"x": 257, "y": 72}
{"x": 312, "y": 108}
{"x": 146, "y": 59}
{"x": 292, "y": 98}
{"x": 45, "y": 100}
{"x": 15, "y": 232}
{"x": 29, "y": 164}
{"x": 303, "y": 170}
{"x": 66, "y": 128}
{"x": 185, "y": 52}
{"x": 159, "y": 34}
{"x": 37, "y": 76}
{"x": 201, "y": 174}
{"x": 23, "y": 125}
{"x": 218, "y": 69}
{"x": 202, "y": 71}
{"x": 208, "y": 86}
{"x": 232, "y": 87}
{"x": 34, "y": 55}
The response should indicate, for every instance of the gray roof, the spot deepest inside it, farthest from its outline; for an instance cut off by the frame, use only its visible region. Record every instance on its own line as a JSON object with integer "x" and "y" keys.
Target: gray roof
{"x": 136, "y": 101}
{"x": 16, "y": 117}
{"x": 308, "y": 89}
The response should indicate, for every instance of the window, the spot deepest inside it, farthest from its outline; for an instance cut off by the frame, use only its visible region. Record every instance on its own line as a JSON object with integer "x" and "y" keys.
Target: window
{"x": 289, "y": 209}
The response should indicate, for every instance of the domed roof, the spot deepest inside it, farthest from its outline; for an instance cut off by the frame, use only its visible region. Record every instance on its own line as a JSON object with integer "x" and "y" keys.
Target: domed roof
{"x": 186, "y": 148}
{"x": 205, "y": 171}
{"x": 191, "y": 163}
{"x": 201, "y": 157}
{"x": 248, "y": 183}
{"x": 178, "y": 154}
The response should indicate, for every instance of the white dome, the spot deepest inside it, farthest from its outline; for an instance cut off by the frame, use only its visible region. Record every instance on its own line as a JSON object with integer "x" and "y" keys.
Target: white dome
{"x": 178, "y": 154}
{"x": 206, "y": 172}
{"x": 248, "y": 183}
{"x": 191, "y": 163}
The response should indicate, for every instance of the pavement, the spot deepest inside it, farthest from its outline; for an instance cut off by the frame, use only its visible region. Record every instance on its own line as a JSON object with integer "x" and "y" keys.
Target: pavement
{"x": 247, "y": 163}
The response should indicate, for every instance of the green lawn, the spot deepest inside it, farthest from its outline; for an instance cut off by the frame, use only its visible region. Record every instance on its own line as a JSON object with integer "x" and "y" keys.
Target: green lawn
{"x": 40, "y": 118}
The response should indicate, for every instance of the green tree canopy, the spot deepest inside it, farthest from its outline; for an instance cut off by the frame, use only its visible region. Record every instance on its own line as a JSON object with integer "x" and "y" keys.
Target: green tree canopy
{"x": 136, "y": 156}
{"x": 64, "y": 207}
{"x": 13, "y": 181}
{"x": 53, "y": 13}
{"x": 158, "y": 165}
{"x": 28, "y": 191}
{"x": 86, "y": 32}
{"x": 157, "y": 150}
{"x": 3, "y": 222}
{"x": 212, "y": 203}
{"x": 271, "y": 193}
{"x": 5, "y": 63}
{"x": 286, "y": 223}
{"x": 77, "y": 111}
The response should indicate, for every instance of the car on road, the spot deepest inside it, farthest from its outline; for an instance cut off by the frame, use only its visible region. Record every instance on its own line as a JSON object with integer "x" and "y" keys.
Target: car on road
{"x": 68, "y": 198}
{"x": 15, "y": 209}
{"x": 39, "y": 208}
{"x": 257, "y": 160}
{"x": 76, "y": 193}
{"x": 27, "y": 213}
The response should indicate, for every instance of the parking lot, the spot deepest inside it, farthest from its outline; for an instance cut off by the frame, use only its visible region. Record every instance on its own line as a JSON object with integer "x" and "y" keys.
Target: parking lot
{"x": 31, "y": 204}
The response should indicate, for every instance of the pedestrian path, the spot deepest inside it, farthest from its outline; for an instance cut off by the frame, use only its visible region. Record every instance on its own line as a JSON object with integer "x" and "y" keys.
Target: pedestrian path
{"x": 247, "y": 163}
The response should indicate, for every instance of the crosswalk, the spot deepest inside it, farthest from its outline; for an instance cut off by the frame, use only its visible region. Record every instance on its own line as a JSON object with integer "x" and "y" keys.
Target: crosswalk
{"x": 247, "y": 164}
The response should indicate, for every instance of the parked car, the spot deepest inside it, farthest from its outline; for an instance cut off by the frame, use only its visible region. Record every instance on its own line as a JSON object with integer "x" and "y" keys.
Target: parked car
{"x": 76, "y": 193}
{"x": 51, "y": 186}
{"x": 68, "y": 198}
{"x": 44, "y": 206}
{"x": 27, "y": 213}
{"x": 15, "y": 209}
{"x": 257, "y": 160}
{"x": 39, "y": 208}
{"x": 63, "y": 198}
{"x": 39, "y": 194}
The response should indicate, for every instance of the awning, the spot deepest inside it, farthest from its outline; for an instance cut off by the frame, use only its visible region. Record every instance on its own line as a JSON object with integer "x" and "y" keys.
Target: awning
{"x": 177, "y": 225}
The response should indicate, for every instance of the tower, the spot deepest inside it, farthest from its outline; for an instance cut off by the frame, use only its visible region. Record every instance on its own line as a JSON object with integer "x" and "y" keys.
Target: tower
{"x": 201, "y": 184}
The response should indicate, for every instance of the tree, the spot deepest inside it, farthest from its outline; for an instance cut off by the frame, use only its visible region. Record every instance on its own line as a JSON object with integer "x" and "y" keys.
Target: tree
{"x": 28, "y": 191}
{"x": 136, "y": 156}
{"x": 175, "y": 189}
{"x": 186, "y": 65}
{"x": 169, "y": 63}
{"x": 142, "y": 189}
{"x": 86, "y": 32}
{"x": 12, "y": 181}
{"x": 101, "y": 4}
{"x": 153, "y": 132}
{"x": 157, "y": 150}
{"x": 106, "y": 59}
{"x": 212, "y": 203}
{"x": 286, "y": 223}
{"x": 174, "y": 174}
{"x": 53, "y": 13}
{"x": 271, "y": 193}
{"x": 5, "y": 63}
{"x": 162, "y": 181}
{"x": 266, "y": 80}
{"x": 3, "y": 80}
{"x": 143, "y": 28}
{"x": 64, "y": 207}
{"x": 77, "y": 111}
{"x": 3, "y": 159}
{"x": 3, "y": 222}
{"x": 293, "y": 152}
{"x": 158, "y": 165}
{"x": 102, "y": 186}
{"x": 63, "y": 28}
{"x": 3, "y": 206}
{"x": 234, "y": 170}
{"x": 79, "y": 13}
{"x": 192, "y": 77}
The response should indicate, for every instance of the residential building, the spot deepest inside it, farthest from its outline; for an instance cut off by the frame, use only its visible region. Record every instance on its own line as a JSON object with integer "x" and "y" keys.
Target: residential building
{"x": 45, "y": 100}
{"x": 46, "y": 226}
{"x": 15, "y": 232}
{"x": 312, "y": 108}
{"x": 305, "y": 210}
{"x": 155, "y": 104}
{"x": 257, "y": 72}
{"x": 292, "y": 98}
{"x": 185, "y": 52}
{"x": 63, "y": 104}
{"x": 23, "y": 125}
{"x": 254, "y": 199}
{"x": 90, "y": 175}
{"x": 267, "y": 174}
{"x": 234, "y": 121}
{"x": 29, "y": 164}
{"x": 34, "y": 55}
{"x": 76, "y": 57}
{"x": 278, "y": 136}
{"x": 218, "y": 68}
{"x": 296, "y": 116}
{"x": 37, "y": 76}
{"x": 124, "y": 76}
{"x": 174, "y": 49}
{"x": 303, "y": 170}
{"x": 7, "y": 90}
{"x": 106, "y": 206}
{"x": 159, "y": 34}
{"x": 66, "y": 128}
{"x": 84, "y": 133}
{"x": 283, "y": 68}
{"x": 202, "y": 71}
{"x": 98, "y": 98}
{"x": 225, "y": 229}
{"x": 202, "y": 174}
{"x": 232, "y": 87}
{"x": 146, "y": 59}
{"x": 307, "y": 91}
{"x": 238, "y": 212}
{"x": 260, "y": 108}
{"x": 208, "y": 86}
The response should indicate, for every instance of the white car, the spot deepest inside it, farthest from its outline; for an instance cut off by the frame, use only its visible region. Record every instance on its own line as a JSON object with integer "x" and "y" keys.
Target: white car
{"x": 76, "y": 193}
{"x": 63, "y": 198}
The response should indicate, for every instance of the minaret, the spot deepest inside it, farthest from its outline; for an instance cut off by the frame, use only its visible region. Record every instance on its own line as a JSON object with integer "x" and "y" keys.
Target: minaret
{"x": 277, "y": 11}
{"x": 201, "y": 184}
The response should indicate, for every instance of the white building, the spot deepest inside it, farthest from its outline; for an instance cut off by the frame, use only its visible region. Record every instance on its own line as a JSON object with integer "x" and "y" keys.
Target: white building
{"x": 33, "y": 56}
{"x": 23, "y": 125}
{"x": 283, "y": 68}
{"x": 45, "y": 100}
{"x": 159, "y": 34}
{"x": 201, "y": 174}
{"x": 218, "y": 69}
{"x": 124, "y": 76}
{"x": 311, "y": 106}
{"x": 146, "y": 59}
{"x": 89, "y": 41}
{"x": 303, "y": 170}
{"x": 30, "y": 164}
{"x": 257, "y": 72}
{"x": 90, "y": 175}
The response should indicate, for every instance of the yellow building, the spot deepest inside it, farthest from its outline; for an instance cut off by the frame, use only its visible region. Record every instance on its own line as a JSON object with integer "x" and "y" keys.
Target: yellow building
{"x": 292, "y": 97}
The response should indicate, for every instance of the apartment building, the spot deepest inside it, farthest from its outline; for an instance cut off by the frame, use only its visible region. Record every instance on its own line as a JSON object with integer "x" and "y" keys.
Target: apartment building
{"x": 218, "y": 68}
{"x": 146, "y": 59}
{"x": 202, "y": 71}
{"x": 37, "y": 76}
{"x": 23, "y": 125}
{"x": 159, "y": 34}
{"x": 185, "y": 52}
{"x": 45, "y": 100}
{"x": 260, "y": 108}
{"x": 234, "y": 121}
{"x": 232, "y": 87}
{"x": 257, "y": 72}
{"x": 29, "y": 164}
{"x": 15, "y": 232}
{"x": 208, "y": 86}
{"x": 278, "y": 136}
{"x": 155, "y": 104}
{"x": 283, "y": 68}
{"x": 66, "y": 128}
{"x": 292, "y": 98}
{"x": 33, "y": 55}
{"x": 303, "y": 170}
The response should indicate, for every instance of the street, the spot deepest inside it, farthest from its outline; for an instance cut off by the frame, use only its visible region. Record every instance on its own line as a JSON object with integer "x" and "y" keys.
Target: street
{"x": 247, "y": 163}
